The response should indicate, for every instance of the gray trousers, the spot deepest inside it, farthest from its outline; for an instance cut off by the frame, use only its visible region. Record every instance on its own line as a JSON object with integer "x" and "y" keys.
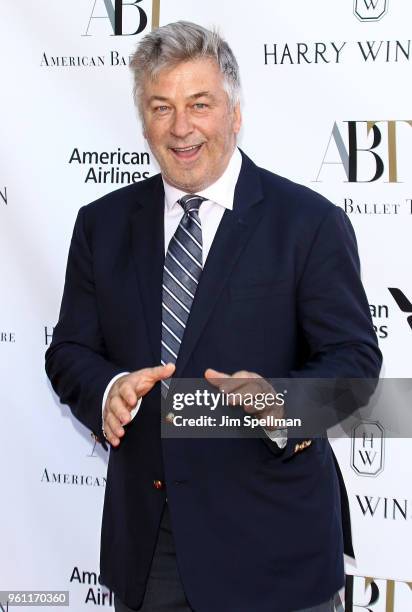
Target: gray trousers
{"x": 164, "y": 591}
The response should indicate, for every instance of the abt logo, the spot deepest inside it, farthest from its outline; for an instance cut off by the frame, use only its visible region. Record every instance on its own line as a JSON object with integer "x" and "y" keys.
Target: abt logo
{"x": 367, "y": 456}
{"x": 367, "y": 594}
{"x": 371, "y": 151}
{"x": 370, "y": 10}
{"x": 124, "y": 17}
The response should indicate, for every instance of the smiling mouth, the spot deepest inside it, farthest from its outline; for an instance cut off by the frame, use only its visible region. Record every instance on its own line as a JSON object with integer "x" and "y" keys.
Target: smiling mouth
{"x": 187, "y": 153}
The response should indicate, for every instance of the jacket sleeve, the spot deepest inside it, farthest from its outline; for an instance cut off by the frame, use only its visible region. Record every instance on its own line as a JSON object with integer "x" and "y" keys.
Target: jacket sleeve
{"x": 333, "y": 310}
{"x": 334, "y": 318}
{"x": 76, "y": 361}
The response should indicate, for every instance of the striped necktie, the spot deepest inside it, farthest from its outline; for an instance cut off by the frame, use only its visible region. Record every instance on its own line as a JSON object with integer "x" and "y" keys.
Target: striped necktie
{"x": 181, "y": 274}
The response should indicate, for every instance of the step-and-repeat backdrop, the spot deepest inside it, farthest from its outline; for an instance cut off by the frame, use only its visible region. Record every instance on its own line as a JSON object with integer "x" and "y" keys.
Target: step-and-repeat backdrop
{"x": 326, "y": 102}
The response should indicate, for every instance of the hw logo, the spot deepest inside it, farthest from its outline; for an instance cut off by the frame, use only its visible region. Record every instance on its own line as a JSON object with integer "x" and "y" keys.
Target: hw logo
{"x": 403, "y": 303}
{"x": 125, "y": 17}
{"x": 359, "y": 158}
{"x": 370, "y": 10}
{"x": 367, "y": 453}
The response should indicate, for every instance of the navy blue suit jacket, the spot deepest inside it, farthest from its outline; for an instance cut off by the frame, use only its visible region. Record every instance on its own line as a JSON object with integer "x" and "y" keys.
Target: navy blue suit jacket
{"x": 255, "y": 528}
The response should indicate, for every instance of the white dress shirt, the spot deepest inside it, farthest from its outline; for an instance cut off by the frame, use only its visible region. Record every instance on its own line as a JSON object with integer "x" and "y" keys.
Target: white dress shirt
{"x": 219, "y": 197}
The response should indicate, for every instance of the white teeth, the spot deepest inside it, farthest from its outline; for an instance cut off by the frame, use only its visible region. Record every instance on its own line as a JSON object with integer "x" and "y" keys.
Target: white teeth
{"x": 186, "y": 148}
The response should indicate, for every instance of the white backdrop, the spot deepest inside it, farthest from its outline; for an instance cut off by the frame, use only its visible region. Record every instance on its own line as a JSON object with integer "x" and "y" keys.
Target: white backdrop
{"x": 313, "y": 73}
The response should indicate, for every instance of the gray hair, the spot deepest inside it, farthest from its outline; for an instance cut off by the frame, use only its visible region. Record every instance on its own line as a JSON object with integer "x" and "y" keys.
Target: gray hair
{"x": 178, "y": 42}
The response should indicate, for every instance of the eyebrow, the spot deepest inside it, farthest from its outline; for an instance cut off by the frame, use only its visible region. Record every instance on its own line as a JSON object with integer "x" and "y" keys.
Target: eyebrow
{"x": 201, "y": 94}
{"x": 194, "y": 96}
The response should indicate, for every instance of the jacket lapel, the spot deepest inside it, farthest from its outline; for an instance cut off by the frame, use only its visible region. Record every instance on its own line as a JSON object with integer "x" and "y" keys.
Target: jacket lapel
{"x": 147, "y": 236}
{"x": 233, "y": 232}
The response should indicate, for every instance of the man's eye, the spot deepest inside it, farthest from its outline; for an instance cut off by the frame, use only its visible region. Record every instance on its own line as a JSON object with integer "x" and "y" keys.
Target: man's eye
{"x": 161, "y": 109}
{"x": 200, "y": 105}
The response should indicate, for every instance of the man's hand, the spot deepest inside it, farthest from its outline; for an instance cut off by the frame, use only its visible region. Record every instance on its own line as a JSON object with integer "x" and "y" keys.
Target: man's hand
{"x": 248, "y": 384}
{"x": 124, "y": 395}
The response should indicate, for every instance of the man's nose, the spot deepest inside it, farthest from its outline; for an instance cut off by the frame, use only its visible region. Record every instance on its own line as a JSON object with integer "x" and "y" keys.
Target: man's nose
{"x": 181, "y": 125}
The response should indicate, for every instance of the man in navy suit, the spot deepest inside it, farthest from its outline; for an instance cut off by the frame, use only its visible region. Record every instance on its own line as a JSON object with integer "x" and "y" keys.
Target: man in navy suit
{"x": 270, "y": 289}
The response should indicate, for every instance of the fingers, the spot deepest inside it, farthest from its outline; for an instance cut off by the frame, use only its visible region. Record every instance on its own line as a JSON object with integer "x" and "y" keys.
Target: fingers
{"x": 249, "y": 382}
{"x": 214, "y": 377}
{"x": 211, "y": 373}
{"x": 128, "y": 393}
{"x": 133, "y": 386}
{"x": 110, "y": 436}
{"x": 148, "y": 377}
{"x": 119, "y": 408}
{"x": 116, "y": 414}
{"x": 229, "y": 383}
{"x": 240, "y": 385}
{"x": 123, "y": 397}
{"x": 160, "y": 372}
{"x": 113, "y": 429}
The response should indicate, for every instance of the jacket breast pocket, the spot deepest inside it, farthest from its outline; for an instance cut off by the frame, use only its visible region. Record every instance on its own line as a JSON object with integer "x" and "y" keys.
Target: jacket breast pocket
{"x": 258, "y": 290}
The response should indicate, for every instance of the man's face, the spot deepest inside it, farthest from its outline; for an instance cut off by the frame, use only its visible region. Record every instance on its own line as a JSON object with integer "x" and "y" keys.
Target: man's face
{"x": 189, "y": 124}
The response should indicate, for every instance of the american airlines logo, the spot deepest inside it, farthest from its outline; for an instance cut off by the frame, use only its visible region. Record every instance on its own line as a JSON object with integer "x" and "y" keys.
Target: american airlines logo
{"x": 367, "y": 453}
{"x": 370, "y": 10}
{"x": 3, "y": 195}
{"x": 403, "y": 303}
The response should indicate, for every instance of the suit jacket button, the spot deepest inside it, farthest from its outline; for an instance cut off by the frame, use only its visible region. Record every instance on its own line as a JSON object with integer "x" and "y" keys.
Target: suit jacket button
{"x": 158, "y": 484}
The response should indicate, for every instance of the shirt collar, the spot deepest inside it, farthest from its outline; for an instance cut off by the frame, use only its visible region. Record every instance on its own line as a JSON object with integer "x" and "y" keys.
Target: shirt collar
{"x": 221, "y": 192}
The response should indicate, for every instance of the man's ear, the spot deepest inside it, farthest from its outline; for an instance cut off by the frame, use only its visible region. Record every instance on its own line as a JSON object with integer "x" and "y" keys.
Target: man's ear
{"x": 237, "y": 118}
{"x": 142, "y": 122}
